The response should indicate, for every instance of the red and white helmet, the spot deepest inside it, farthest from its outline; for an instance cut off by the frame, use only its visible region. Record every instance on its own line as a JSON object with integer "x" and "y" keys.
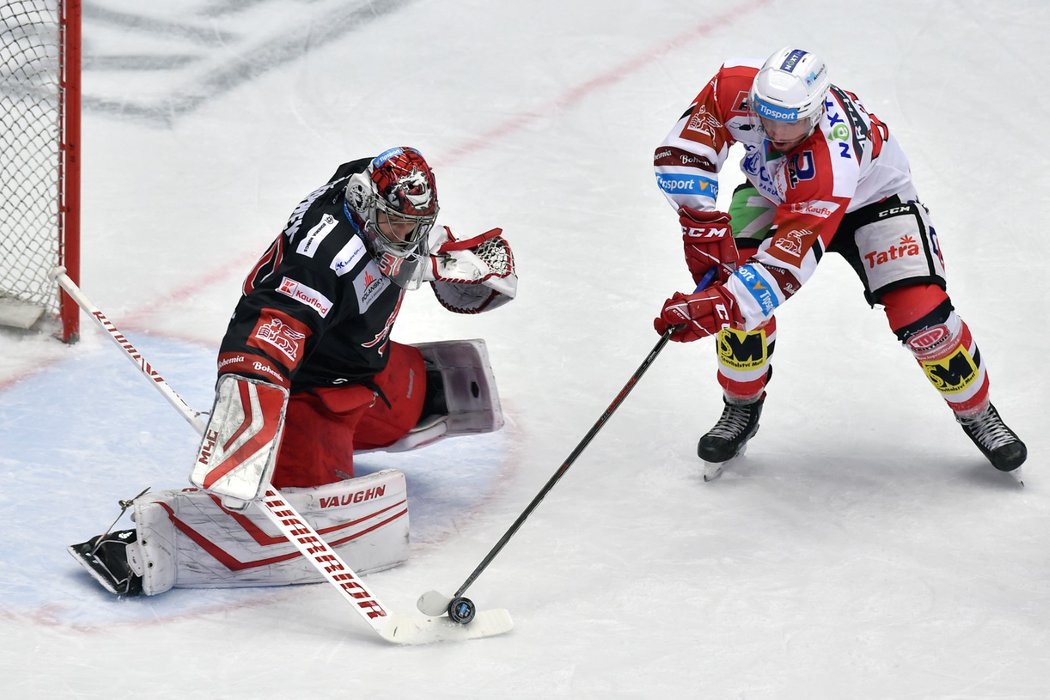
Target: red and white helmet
{"x": 791, "y": 86}
{"x": 397, "y": 188}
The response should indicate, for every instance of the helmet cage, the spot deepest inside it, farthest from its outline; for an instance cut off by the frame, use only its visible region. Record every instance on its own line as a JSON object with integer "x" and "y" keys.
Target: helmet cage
{"x": 396, "y": 190}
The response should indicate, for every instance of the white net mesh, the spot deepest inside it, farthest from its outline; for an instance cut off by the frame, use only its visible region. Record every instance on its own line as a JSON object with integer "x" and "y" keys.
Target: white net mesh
{"x": 496, "y": 255}
{"x": 30, "y": 153}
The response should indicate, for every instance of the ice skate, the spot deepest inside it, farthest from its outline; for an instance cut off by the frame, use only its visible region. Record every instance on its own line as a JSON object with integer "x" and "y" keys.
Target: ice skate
{"x": 106, "y": 558}
{"x": 729, "y": 436}
{"x": 995, "y": 440}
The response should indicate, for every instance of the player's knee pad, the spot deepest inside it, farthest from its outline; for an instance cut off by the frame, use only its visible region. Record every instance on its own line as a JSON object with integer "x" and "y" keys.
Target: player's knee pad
{"x": 942, "y": 344}
{"x": 461, "y": 394}
{"x": 744, "y": 360}
{"x": 187, "y": 539}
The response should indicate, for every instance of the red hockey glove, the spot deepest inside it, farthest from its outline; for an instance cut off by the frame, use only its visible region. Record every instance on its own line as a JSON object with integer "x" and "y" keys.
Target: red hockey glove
{"x": 695, "y": 316}
{"x": 708, "y": 241}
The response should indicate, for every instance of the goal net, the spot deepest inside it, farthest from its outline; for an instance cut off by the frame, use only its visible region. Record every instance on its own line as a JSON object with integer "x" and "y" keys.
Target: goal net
{"x": 39, "y": 160}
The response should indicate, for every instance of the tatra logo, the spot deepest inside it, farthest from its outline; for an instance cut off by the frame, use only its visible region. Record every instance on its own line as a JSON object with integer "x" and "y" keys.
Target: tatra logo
{"x": 907, "y": 247}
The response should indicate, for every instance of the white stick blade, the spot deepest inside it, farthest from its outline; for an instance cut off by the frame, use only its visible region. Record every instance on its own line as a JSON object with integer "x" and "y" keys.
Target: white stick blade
{"x": 410, "y": 629}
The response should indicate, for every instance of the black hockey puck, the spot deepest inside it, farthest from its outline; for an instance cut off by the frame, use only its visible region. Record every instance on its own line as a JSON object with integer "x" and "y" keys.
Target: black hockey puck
{"x": 461, "y": 610}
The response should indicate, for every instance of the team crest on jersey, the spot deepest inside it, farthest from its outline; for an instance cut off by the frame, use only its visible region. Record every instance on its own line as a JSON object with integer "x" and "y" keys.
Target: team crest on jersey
{"x": 280, "y": 332}
{"x": 704, "y": 127}
{"x": 790, "y": 245}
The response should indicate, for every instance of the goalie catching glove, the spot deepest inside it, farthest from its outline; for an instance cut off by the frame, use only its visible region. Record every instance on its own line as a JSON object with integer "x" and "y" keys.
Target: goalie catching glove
{"x": 473, "y": 275}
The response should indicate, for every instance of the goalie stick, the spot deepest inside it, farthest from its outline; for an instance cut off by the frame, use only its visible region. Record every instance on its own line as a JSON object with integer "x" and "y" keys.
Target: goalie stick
{"x": 393, "y": 627}
{"x": 457, "y": 607}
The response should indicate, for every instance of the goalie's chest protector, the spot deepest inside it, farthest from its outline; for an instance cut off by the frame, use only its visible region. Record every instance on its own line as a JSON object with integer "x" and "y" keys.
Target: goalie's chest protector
{"x": 353, "y": 341}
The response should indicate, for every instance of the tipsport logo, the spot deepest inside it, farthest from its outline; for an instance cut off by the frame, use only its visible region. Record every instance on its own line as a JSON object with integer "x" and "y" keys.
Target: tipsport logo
{"x": 673, "y": 183}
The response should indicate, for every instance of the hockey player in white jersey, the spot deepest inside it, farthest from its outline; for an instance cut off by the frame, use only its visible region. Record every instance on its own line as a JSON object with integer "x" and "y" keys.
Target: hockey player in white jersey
{"x": 823, "y": 175}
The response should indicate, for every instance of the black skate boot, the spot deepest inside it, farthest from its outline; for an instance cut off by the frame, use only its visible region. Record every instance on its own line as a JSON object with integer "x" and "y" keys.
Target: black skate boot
{"x": 738, "y": 424}
{"x": 994, "y": 439}
{"x": 106, "y": 559}
{"x": 434, "y": 403}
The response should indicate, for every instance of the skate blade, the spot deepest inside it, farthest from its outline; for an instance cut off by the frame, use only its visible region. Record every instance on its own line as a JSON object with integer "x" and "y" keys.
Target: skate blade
{"x": 82, "y": 553}
{"x": 713, "y": 470}
{"x": 1017, "y": 476}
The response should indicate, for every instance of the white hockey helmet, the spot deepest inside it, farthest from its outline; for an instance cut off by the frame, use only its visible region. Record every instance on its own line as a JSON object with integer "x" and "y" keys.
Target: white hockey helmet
{"x": 396, "y": 191}
{"x": 791, "y": 86}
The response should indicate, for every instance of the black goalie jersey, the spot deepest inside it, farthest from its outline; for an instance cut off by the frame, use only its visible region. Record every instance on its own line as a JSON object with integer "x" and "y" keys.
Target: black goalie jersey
{"x": 315, "y": 310}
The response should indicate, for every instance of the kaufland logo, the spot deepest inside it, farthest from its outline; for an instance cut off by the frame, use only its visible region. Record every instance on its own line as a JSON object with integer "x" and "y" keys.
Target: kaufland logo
{"x": 305, "y": 295}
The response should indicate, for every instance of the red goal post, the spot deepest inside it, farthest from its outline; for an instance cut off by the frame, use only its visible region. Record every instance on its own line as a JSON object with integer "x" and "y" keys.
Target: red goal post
{"x": 39, "y": 160}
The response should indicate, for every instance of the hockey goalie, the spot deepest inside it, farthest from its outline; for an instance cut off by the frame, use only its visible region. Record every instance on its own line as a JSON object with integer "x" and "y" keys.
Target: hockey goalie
{"x": 308, "y": 375}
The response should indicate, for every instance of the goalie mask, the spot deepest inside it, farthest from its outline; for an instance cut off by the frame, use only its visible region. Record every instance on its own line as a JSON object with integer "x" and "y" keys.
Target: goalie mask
{"x": 394, "y": 204}
{"x": 790, "y": 89}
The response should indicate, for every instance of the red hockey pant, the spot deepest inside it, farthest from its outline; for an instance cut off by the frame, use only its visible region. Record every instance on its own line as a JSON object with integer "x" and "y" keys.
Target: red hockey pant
{"x": 324, "y": 426}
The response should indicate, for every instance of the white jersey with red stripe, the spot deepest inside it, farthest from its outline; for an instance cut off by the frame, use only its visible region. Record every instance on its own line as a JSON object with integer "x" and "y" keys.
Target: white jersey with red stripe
{"x": 849, "y": 161}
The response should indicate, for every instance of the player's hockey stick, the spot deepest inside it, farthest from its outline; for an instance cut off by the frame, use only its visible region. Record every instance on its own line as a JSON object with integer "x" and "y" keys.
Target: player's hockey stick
{"x": 434, "y": 603}
{"x": 400, "y": 629}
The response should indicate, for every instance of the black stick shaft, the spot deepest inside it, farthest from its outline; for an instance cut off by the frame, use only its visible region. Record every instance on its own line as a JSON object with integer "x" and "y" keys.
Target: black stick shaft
{"x": 576, "y": 452}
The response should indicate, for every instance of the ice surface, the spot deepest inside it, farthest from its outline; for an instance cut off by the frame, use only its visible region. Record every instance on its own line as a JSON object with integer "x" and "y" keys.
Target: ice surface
{"x": 862, "y": 549}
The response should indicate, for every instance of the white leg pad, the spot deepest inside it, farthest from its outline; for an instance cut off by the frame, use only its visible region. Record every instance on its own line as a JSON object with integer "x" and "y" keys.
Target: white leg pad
{"x": 186, "y": 539}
